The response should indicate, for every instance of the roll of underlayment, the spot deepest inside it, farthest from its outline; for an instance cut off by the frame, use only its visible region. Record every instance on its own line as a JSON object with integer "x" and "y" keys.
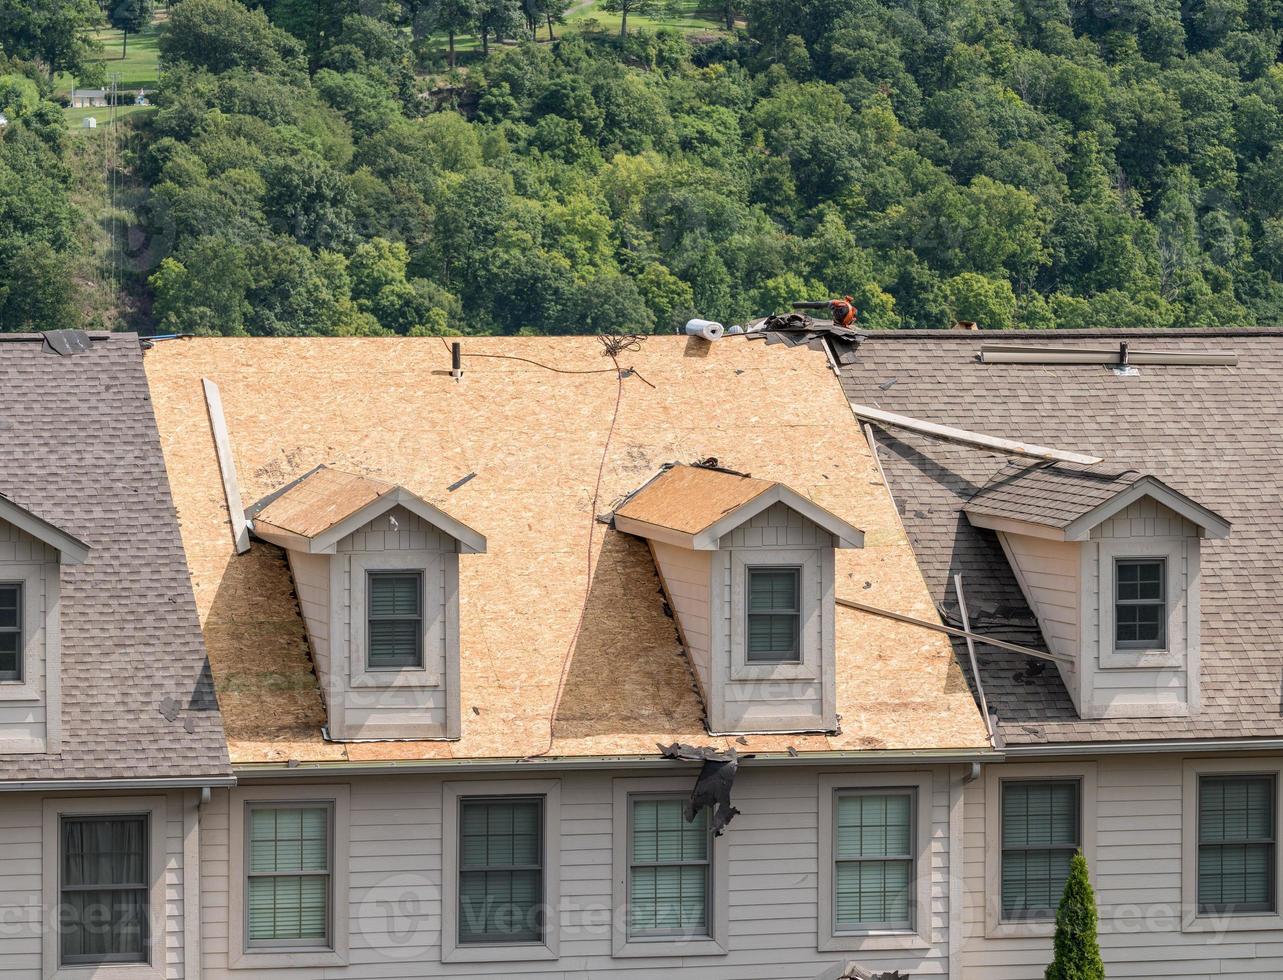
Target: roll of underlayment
{"x": 708, "y": 329}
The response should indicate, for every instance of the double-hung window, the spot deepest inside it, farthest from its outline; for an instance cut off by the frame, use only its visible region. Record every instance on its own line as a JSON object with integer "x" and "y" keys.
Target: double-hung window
{"x": 873, "y": 853}
{"x": 104, "y": 895}
{"x": 774, "y": 615}
{"x": 1236, "y": 844}
{"x": 1041, "y": 831}
{"x": 669, "y": 869}
{"x": 395, "y": 611}
{"x": 1140, "y": 604}
{"x": 501, "y": 870}
{"x": 10, "y": 631}
{"x": 288, "y": 876}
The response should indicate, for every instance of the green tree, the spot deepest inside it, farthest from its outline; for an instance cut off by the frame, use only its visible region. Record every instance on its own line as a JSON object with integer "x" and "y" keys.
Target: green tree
{"x": 130, "y": 17}
{"x": 641, "y": 8}
{"x": 455, "y": 17}
{"x": 502, "y": 18}
{"x": 58, "y": 33}
{"x": 219, "y": 35}
{"x": 1077, "y": 952}
{"x": 979, "y": 299}
{"x": 18, "y": 96}
{"x": 36, "y": 289}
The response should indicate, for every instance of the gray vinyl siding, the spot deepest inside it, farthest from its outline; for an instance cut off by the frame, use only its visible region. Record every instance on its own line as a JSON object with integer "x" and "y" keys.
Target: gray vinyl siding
{"x": 23, "y": 724}
{"x": 394, "y": 905}
{"x": 21, "y": 902}
{"x": 686, "y": 576}
{"x": 312, "y": 584}
{"x": 1137, "y": 875}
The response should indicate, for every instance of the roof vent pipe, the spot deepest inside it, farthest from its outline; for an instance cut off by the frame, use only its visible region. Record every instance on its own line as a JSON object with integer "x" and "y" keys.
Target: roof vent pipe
{"x": 456, "y": 360}
{"x": 708, "y": 329}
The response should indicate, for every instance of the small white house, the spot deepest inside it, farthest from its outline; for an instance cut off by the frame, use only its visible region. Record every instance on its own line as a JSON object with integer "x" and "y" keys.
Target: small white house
{"x": 90, "y": 123}
{"x": 86, "y": 98}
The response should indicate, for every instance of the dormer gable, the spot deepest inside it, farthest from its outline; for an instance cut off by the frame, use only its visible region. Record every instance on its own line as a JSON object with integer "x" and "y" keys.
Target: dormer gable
{"x": 376, "y": 571}
{"x": 32, "y": 550}
{"x": 747, "y": 566}
{"x": 1110, "y": 565}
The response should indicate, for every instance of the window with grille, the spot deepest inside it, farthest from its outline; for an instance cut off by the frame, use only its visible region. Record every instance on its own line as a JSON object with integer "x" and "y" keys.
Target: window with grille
{"x": 1140, "y": 604}
{"x": 1236, "y": 841}
{"x": 10, "y": 631}
{"x": 288, "y": 878}
{"x": 774, "y": 615}
{"x": 873, "y": 853}
{"x": 501, "y": 859}
{"x": 1041, "y": 831}
{"x": 669, "y": 865}
{"x": 395, "y": 611}
{"x": 104, "y": 911}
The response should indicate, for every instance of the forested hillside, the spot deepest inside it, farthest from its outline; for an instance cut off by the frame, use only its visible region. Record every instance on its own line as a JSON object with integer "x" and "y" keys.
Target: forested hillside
{"x": 1021, "y": 163}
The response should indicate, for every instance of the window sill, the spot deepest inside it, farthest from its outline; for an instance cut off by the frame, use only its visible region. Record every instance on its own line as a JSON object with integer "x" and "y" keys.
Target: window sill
{"x": 1133, "y": 659}
{"x": 660, "y": 947}
{"x": 1022, "y": 929}
{"x": 498, "y": 954}
{"x": 266, "y": 959}
{"x": 19, "y": 691}
{"x": 1246, "y": 922}
{"x": 804, "y": 671}
{"x": 410, "y": 677}
{"x": 902, "y": 941}
{"x": 107, "y": 971}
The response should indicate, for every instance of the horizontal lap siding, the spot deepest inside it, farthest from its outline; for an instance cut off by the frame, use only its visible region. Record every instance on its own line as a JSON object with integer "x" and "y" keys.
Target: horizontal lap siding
{"x": 394, "y": 906}
{"x": 686, "y": 577}
{"x": 1138, "y": 889}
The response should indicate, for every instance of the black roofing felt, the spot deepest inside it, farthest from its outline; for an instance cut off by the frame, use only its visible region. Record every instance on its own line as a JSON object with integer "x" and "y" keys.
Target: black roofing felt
{"x": 79, "y": 448}
{"x": 1212, "y": 433}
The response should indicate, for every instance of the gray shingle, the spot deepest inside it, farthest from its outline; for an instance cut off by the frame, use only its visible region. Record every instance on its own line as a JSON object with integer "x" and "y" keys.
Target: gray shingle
{"x": 79, "y": 448}
{"x": 1208, "y": 432}
{"x": 1052, "y": 495}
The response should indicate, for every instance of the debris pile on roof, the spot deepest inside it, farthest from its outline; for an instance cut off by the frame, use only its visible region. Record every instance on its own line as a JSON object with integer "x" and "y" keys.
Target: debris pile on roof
{"x": 792, "y": 329}
{"x": 713, "y": 787}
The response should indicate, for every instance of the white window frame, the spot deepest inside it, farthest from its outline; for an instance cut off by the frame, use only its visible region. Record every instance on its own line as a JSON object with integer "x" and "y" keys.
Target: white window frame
{"x": 1192, "y": 920}
{"x": 917, "y": 936}
{"x": 996, "y": 927}
{"x": 549, "y": 948}
{"x": 22, "y": 630}
{"x": 1180, "y": 633}
{"x": 624, "y": 791}
{"x": 242, "y": 956}
{"x": 432, "y": 566}
{"x": 811, "y": 617}
{"x": 155, "y": 808}
{"x": 421, "y": 576}
{"x": 40, "y": 586}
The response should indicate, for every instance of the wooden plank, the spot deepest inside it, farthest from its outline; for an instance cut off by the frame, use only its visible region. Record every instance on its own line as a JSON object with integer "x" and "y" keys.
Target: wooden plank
{"x": 971, "y": 653}
{"x": 950, "y": 434}
{"x": 954, "y": 631}
{"x": 226, "y": 466}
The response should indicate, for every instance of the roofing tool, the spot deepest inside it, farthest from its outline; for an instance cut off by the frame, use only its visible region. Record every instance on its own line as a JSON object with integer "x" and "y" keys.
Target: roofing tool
{"x": 842, "y": 310}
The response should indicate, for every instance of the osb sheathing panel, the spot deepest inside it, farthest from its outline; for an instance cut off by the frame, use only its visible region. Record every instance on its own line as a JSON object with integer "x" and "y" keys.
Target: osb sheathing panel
{"x": 321, "y": 501}
{"x": 388, "y": 408}
{"x": 690, "y": 499}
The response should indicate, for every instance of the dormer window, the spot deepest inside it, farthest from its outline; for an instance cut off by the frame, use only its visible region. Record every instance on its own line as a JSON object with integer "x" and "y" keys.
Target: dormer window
{"x": 774, "y": 615}
{"x": 11, "y": 631}
{"x": 1140, "y": 604}
{"x": 747, "y": 567}
{"x": 395, "y": 611}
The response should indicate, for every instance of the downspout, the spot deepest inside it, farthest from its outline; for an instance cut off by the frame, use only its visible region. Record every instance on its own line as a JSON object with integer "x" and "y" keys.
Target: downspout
{"x": 193, "y": 946}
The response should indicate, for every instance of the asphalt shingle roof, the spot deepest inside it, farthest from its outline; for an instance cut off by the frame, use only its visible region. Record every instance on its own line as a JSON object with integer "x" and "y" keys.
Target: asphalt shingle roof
{"x": 79, "y": 448}
{"x": 1054, "y": 495}
{"x": 1212, "y": 433}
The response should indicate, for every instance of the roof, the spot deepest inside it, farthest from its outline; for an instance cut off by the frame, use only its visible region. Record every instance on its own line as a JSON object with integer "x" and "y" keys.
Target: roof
{"x": 695, "y": 505}
{"x": 87, "y": 91}
{"x": 315, "y": 511}
{"x": 72, "y": 550}
{"x": 550, "y": 456}
{"x": 1065, "y": 502}
{"x": 1209, "y": 432}
{"x": 79, "y": 451}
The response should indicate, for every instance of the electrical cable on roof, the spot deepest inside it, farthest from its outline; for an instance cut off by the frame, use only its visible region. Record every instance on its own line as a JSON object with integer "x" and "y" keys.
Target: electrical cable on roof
{"x": 592, "y": 535}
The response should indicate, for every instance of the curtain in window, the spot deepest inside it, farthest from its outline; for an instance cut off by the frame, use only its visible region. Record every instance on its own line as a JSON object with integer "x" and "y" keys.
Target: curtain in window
{"x": 500, "y": 871}
{"x": 669, "y": 870}
{"x": 1236, "y": 844}
{"x": 873, "y": 877}
{"x": 289, "y": 881}
{"x": 1039, "y": 837}
{"x": 104, "y": 910}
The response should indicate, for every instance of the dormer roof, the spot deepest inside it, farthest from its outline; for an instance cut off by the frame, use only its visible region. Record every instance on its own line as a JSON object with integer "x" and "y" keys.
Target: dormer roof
{"x": 71, "y": 549}
{"x": 694, "y": 506}
{"x": 316, "y": 511}
{"x": 1064, "y": 503}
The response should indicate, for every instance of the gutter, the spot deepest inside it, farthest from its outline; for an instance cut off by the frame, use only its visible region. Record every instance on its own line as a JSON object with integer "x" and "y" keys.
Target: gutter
{"x": 1135, "y": 748}
{"x": 305, "y": 770}
{"x": 58, "y": 785}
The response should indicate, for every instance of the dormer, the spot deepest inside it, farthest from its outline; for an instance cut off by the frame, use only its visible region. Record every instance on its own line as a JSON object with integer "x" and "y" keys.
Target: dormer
{"x": 376, "y": 570}
{"x": 1109, "y": 563}
{"x": 747, "y": 567}
{"x": 32, "y": 553}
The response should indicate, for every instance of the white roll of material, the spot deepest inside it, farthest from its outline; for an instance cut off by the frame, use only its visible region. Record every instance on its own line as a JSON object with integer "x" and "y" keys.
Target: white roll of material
{"x": 708, "y": 329}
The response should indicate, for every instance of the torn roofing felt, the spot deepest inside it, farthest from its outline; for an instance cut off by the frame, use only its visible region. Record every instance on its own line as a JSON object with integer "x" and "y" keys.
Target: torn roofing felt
{"x": 1210, "y": 432}
{"x": 80, "y": 451}
{"x": 713, "y": 785}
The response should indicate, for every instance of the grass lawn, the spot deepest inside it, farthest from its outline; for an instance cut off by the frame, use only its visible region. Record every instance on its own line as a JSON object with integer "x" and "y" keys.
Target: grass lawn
{"x": 681, "y": 15}
{"x": 139, "y": 68}
{"x": 76, "y": 117}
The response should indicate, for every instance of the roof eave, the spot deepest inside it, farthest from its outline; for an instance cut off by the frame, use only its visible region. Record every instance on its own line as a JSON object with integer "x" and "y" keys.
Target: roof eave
{"x": 1011, "y": 525}
{"x": 1209, "y": 523}
{"x": 71, "y": 549}
{"x": 846, "y": 535}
